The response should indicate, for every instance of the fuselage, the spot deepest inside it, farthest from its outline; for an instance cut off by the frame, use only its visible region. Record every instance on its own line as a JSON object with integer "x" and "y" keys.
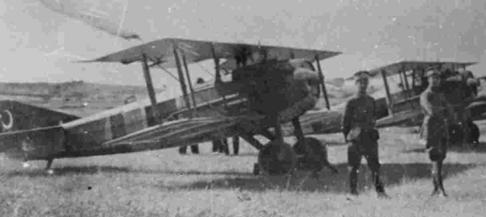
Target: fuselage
{"x": 284, "y": 88}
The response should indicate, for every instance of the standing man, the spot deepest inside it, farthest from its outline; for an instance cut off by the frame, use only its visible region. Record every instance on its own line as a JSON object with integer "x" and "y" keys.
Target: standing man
{"x": 236, "y": 144}
{"x": 194, "y": 149}
{"x": 221, "y": 145}
{"x": 183, "y": 149}
{"x": 435, "y": 127}
{"x": 358, "y": 127}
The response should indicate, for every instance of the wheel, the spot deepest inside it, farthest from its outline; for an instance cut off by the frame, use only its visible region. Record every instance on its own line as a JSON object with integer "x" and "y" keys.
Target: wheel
{"x": 312, "y": 155}
{"x": 276, "y": 158}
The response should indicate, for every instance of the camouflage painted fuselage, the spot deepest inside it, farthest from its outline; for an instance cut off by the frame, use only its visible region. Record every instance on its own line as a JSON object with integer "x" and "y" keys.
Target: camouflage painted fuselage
{"x": 286, "y": 88}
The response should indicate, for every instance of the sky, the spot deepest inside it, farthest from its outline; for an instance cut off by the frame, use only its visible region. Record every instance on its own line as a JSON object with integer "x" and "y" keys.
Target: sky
{"x": 39, "y": 44}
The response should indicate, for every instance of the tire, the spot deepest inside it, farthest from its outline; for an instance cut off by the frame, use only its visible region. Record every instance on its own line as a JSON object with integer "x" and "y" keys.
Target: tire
{"x": 277, "y": 158}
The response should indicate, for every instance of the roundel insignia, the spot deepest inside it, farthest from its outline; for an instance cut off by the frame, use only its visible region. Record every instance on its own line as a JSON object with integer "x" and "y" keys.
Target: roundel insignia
{"x": 6, "y": 119}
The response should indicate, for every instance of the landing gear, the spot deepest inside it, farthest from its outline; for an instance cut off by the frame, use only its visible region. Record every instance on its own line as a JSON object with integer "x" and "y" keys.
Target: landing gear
{"x": 276, "y": 158}
{"x": 312, "y": 155}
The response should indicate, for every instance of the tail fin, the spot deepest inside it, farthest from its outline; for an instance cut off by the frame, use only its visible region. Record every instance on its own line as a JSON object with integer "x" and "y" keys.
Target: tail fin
{"x": 15, "y": 116}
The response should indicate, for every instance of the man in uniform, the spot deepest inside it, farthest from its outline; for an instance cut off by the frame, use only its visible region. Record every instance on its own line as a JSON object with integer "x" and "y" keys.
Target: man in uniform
{"x": 358, "y": 127}
{"x": 438, "y": 114}
{"x": 194, "y": 149}
{"x": 183, "y": 149}
{"x": 221, "y": 145}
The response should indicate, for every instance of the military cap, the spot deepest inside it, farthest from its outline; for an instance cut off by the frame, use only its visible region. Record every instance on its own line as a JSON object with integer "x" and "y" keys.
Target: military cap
{"x": 433, "y": 72}
{"x": 361, "y": 75}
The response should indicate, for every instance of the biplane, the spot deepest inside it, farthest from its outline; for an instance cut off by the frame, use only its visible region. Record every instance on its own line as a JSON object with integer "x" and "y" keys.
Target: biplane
{"x": 269, "y": 85}
{"x": 402, "y": 106}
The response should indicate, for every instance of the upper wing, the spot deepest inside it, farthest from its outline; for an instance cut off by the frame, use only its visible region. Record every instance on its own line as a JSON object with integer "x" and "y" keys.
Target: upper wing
{"x": 161, "y": 51}
{"x": 397, "y": 67}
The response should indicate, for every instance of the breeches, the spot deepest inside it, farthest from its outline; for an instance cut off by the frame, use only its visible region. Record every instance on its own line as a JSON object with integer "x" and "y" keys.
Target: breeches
{"x": 437, "y": 148}
{"x": 367, "y": 147}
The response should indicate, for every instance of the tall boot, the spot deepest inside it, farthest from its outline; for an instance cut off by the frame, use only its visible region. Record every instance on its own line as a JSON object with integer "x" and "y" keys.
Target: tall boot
{"x": 236, "y": 145}
{"x": 435, "y": 178}
{"x": 379, "y": 187}
{"x": 439, "y": 179}
{"x": 353, "y": 181}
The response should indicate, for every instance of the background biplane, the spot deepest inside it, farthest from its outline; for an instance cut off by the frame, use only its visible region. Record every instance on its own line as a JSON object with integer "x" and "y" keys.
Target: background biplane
{"x": 269, "y": 85}
{"x": 400, "y": 104}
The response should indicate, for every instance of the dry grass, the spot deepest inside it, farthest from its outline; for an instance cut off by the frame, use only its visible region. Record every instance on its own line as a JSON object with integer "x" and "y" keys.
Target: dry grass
{"x": 163, "y": 183}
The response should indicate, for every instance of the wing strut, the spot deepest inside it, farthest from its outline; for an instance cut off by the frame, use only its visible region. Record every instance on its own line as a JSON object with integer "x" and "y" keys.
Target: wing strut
{"x": 389, "y": 101}
{"x": 414, "y": 74}
{"x": 184, "y": 62}
{"x": 181, "y": 78}
{"x": 402, "y": 82}
{"x": 407, "y": 85}
{"x": 323, "y": 84}
{"x": 150, "y": 88}
{"x": 409, "y": 92}
{"x": 216, "y": 64}
{"x": 148, "y": 80}
{"x": 217, "y": 80}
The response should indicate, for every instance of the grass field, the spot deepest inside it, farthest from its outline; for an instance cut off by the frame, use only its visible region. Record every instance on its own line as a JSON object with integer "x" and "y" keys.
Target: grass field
{"x": 164, "y": 183}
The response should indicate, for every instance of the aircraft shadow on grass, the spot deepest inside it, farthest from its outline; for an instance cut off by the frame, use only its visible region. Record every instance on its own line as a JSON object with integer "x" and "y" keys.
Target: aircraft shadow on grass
{"x": 89, "y": 170}
{"x": 478, "y": 148}
{"x": 475, "y": 148}
{"x": 69, "y": 170}
{"x": 392, "y": 174}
